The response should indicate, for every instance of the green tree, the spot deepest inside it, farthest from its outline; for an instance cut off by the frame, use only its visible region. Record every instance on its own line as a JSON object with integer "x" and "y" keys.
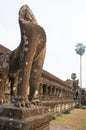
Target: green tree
{"x": 80, "y": 49}
{"x": 73, "y": 76}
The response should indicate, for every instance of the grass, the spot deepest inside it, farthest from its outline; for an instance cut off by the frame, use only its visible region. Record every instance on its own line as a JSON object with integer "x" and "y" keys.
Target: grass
{"x": 76, "y": 119}
{"x": 67, "y": 112}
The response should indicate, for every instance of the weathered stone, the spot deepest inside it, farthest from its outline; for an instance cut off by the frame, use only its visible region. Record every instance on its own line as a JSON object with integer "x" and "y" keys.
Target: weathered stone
{"x": 23, "y": 66}
{"x": 34, "y": 118}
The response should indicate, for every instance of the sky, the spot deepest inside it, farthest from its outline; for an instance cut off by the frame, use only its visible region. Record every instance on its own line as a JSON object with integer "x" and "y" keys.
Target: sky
{"x": 64, "y": 22}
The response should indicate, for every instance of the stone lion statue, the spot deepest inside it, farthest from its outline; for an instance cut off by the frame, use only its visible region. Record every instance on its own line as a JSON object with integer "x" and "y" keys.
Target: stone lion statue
{"x": 22, "y": 67}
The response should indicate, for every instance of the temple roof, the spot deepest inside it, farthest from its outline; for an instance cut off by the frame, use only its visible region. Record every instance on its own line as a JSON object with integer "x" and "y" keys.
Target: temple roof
{"x": 3, "y": 49}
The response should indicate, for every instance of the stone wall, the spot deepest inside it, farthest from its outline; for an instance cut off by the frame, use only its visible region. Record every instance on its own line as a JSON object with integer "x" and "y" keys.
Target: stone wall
{"x": 56, "y": 94}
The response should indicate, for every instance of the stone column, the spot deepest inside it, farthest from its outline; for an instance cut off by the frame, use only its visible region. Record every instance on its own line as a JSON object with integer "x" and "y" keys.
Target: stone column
{"x": 41, "y": 89}
{"x": 46, "y": 90}
{"x": 50, "y": 90}
{"x": 2, "y": 96}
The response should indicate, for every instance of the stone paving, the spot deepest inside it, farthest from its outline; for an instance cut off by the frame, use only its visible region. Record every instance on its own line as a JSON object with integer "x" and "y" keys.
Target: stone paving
{"x": 54, "y": 127}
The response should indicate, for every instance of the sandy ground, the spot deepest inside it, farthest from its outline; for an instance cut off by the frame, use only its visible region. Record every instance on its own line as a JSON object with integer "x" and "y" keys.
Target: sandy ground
{"x": 76, "y": 120}
{"x": 53, "y": 127}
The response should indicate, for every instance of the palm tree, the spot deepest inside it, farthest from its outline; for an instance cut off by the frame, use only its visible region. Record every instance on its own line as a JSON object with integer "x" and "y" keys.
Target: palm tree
{"x": 73, "y": 76}
{"x": 80, "y": 49}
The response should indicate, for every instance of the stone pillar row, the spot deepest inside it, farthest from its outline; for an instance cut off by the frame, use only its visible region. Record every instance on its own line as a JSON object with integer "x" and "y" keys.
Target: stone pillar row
{"x": 54, "y": 91}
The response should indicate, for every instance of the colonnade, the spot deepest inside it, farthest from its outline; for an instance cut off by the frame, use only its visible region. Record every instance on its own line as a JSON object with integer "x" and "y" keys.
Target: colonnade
{"x": 50, "y": 91}
{"x": 56, "y": 94}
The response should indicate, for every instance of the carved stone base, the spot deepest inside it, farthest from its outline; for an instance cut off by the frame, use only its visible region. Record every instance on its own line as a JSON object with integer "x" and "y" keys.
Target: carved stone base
{"x": 34, "y": 118}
